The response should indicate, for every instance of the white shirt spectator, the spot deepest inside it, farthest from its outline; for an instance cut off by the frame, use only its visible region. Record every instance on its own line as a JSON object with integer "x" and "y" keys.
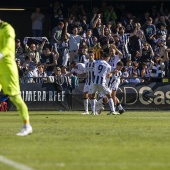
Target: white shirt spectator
{"x": 74, "y": 42}
{"x": 37, "y": 23}
{"x": 80, "y": 69}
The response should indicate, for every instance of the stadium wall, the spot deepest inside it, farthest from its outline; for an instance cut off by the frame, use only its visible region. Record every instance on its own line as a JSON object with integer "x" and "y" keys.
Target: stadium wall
{"x": 151, "y": 96}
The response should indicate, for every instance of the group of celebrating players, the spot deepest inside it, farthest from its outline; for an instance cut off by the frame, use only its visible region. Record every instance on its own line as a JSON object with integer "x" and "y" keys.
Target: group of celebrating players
{"x": 103, "y": 79}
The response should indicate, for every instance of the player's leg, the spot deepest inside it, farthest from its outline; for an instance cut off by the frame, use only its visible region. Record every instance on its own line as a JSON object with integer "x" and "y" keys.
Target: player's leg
{"x": 101, "y": 103}
{"x": 23, "y": 112}
{"x": 10, "y": 86}
{"x": 120, "y": 108}
{"x": 86, "y": 102}
{"x": 116, "y": 100}
{"x": 105, "y": 90}
{"x": 93, "y": 99}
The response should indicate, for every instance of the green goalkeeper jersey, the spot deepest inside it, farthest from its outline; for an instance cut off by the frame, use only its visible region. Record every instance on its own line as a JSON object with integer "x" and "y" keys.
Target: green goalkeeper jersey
{"x": 7, "y": 46}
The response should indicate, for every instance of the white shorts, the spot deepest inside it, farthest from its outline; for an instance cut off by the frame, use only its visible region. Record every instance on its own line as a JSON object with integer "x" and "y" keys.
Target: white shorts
{"x": 115, "y": 86}
{"x": 88, "y": 88}
{"x": 101, "y": 95}
{"x": 101, "y": 88}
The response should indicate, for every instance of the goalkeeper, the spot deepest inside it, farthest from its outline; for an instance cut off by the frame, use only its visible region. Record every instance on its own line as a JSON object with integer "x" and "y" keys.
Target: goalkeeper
{"x": 9, "y": 80}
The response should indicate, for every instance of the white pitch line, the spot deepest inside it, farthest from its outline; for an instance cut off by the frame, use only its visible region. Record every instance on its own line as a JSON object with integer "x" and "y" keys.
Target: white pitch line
{"x": 14, "y": 164}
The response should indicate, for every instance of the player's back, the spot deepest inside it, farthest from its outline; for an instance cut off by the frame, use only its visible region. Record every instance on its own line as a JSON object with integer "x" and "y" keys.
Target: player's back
{"x": 89, "y": 68}
{"x": 101, "y": 70}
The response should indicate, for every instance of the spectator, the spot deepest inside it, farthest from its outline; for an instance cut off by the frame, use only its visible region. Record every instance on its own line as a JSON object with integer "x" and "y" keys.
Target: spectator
{"x": 160, "y": 48}
{"x": 78, "y": 69}
{"x": 65, "y": 52}
{"x": 138, "y": 44}
{"x": 88, "y": 39}
{"x": 61, "y": 79}
{"x": 57, "y": 35}
{"x": 19, "y": 49}
{"x": 106, "y": 35}
{"x": 37, "y": 21}
{"x": 84, "y": 24}
{"x": 97, "y": 26}
{"x": 157, "y": 67}
{"x": 84, "y": 57}
{"x": 96, "y": 48}
{"x": 162, "y": 20}
{"x": 150, "y": 31}
{"x": 34, "y": 51}
{"x": 145, "y": 72}
{"x": 56, "y": 40}
{"x": 28, "y": 64}
{"x": 40, "y": 72}
{"x": 74, "y": 42}
{"x": 162, "y": 32}
{"x": 49, "y": 60}
{"x": 123, "y": 42}
{"x": 29, "y": 74}
{"x": 146, "y": 54}
{"x": 128, "y": 65}
{"x": 134, "y": 69}
{"x": 134, "y": 78}
{"x": 20, "y": 68}
{"x": 125, "y": 75}
{"x": 64, "y": 71}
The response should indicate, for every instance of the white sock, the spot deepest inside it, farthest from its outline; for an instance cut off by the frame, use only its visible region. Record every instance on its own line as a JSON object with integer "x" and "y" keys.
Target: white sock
{"x": 86, "y": 102}
{"x": 120, "y": 107}
{"x": 111, "y": 104}
{"x": 93, "y": 103}
{"x": 27, "y": 125}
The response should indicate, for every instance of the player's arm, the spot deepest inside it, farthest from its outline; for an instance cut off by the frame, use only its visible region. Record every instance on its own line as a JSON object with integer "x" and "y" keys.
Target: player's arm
{"x": 109, "y": 72}
{"x": 9, "y": 36}
{"x": 117, "y": 50}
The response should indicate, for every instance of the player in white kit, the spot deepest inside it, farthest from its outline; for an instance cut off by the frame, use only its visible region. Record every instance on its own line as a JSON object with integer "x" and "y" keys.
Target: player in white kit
{"x": 114, "y": 84}
{"x": 87, "y": 91}
{"x": 114, "y": 58}
{"x": 102, "y": 71}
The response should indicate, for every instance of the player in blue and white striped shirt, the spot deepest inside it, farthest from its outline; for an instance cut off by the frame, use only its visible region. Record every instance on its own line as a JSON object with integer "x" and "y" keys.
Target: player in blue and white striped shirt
{"x": 113, "y": 84}
{"x": 102, "y": 71}
{"x": 89, "y": 70}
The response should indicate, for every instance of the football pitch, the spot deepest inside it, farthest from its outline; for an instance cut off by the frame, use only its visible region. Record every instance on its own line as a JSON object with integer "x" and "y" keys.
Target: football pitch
{"x": 135, "y": 140}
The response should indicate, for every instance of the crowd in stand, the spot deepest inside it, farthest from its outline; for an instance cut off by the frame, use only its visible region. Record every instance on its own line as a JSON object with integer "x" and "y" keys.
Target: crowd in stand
{"x": 142, "y": 44}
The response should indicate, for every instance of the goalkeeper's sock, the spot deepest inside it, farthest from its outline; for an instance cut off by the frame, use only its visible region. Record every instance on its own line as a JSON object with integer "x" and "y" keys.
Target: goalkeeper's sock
{"x": 21, "y": 107}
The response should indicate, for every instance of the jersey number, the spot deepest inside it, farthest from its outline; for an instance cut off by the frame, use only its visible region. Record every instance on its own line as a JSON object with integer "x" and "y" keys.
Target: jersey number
{"x": 100, "y": 67}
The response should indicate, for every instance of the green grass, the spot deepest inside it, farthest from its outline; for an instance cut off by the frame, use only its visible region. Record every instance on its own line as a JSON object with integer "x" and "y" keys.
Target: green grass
{"x": 70, "y": 141}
